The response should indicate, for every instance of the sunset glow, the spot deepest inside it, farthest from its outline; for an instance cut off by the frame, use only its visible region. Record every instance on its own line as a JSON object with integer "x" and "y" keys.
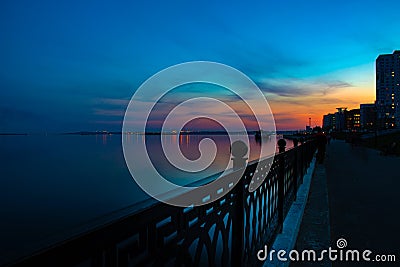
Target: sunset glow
{"x": 77, "y": 65}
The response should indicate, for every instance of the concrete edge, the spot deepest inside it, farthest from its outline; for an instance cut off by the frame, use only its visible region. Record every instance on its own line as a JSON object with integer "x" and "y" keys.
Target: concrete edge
{"x": 291, "y": 226}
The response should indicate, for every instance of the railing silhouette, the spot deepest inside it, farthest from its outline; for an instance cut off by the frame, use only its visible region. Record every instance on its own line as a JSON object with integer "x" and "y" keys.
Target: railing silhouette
{"x": 225, "y": 232}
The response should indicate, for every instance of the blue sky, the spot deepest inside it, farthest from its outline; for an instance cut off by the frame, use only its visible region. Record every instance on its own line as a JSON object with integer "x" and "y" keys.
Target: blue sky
{"x": 72, "y": 65}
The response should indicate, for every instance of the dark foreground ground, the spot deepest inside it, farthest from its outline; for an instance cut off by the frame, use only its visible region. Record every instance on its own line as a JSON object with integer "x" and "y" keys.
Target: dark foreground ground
{"x": 354, "y": 195}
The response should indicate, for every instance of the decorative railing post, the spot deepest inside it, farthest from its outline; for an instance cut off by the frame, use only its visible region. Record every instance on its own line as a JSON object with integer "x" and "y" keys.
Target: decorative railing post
{"x": 238, "y": 151}
{"x": 281, "y": 183}
{"x": 295, "y": 167}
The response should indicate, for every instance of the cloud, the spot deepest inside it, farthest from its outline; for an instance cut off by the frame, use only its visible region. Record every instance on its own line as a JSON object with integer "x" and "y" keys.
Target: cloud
{"x": 287, "y": 120}
{"x": 295, "y": 87}
{"x": 105, "y": 122}
{"x": 110, "y": 107}
{"x": 109, "y": 112}
{"x": 112, "y": 101}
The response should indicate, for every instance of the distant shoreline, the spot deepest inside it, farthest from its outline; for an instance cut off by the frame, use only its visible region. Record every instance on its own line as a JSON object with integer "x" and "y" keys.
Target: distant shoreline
{"x": 149, "y": 133}
{"x": 163, "y": 133}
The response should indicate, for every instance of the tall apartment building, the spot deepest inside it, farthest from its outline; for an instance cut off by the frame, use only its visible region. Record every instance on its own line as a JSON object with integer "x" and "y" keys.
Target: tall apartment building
{"x": 388, "y": 90}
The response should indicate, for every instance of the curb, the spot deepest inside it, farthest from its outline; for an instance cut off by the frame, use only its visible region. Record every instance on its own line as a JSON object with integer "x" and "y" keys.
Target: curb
{"x": 291, "y": 226}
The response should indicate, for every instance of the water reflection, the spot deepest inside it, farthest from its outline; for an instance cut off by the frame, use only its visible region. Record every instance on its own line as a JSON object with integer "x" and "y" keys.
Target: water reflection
{"x": 52, "y": 184}
{"x": 188, "y": 145}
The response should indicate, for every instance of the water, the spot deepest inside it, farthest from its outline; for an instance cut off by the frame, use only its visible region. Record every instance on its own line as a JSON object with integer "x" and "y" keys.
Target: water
{"x": 53, "y": 186}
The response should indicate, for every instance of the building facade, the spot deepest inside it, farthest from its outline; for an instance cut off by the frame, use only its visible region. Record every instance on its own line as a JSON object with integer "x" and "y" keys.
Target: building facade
{"x": 340, "y": 119}
{"x": 368, "y": 116}
{"x": 343, "y": 120}
{"x": 329, "y": 122}
{"x": 388, "y": 90}
{"x": 352, "y": 118}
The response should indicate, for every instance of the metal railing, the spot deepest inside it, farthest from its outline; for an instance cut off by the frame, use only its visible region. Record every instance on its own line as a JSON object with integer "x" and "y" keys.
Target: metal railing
{"x": 225, "y": 232}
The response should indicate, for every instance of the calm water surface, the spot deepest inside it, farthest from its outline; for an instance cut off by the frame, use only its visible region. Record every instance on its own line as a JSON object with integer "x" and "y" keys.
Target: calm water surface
{"x": 54, "y": 186}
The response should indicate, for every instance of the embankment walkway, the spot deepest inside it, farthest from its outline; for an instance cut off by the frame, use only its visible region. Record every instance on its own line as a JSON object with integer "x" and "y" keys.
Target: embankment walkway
{"x": 355, "y": 195}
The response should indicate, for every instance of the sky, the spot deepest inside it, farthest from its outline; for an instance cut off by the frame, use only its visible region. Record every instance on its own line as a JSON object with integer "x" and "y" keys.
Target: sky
{"x": 74, "y": 65}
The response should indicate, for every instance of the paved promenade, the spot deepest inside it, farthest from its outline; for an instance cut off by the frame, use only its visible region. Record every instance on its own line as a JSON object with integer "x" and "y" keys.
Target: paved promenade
{"x": 354, "y": 195}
